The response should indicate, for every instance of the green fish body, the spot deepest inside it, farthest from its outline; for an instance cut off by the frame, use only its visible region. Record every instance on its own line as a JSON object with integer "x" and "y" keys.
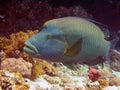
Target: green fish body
{"x": 69, "y": 39}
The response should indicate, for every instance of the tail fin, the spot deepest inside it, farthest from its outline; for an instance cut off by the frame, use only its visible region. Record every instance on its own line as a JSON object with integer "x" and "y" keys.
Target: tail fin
{"x": 112, "y": 46}
{"x": 114, "y": 42}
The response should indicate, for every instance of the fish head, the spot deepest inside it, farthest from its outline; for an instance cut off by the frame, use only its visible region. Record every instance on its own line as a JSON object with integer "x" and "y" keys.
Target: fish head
{"x": 48, "y": 44}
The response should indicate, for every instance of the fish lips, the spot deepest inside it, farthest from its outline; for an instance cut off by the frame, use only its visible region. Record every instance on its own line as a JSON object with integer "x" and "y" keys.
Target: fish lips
{"x": 30, "y": 49}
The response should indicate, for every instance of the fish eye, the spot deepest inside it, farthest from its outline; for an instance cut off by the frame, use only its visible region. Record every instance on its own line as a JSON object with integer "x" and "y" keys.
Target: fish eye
{"x": 49, "y": 36}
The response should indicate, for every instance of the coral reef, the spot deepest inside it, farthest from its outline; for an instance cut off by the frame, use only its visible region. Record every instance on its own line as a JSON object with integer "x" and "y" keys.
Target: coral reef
{"x": 112, "y": 78}
{"x": 17, "y": 65}
{"x": 4, "y": 42}
{"x": 12, "y": 81}
{"x": 22, "y": 15}
{"x": 17, "y": 44}
{"x": 103, "y": 83}
{"x": 93, "y": 85}
{"x": 30, "y": 15}
{"x": 72, "y": 11}
{"x": 25, "y": 15}
{"x": 41, "y": 67}
{"x": 14, "y": 57}
{"x": 66, "y": 79}
{"x": 13, "y": 47}
{"x": 97, "y": 85}
{"x": 69, "y": 79}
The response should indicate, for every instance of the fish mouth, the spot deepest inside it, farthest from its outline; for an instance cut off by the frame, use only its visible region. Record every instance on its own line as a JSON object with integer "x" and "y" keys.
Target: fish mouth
{"x": 30, "y": 49}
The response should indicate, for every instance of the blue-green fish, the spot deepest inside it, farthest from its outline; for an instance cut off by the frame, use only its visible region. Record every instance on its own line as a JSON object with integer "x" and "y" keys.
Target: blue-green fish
{"x": 70, "y": 39}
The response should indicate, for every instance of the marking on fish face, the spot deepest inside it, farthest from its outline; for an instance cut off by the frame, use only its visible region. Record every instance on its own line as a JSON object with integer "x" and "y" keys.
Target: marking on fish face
{"x": 49, "y": 36}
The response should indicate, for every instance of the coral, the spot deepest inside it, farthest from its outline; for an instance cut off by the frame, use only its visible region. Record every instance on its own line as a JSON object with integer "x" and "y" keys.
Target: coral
{"x": 17, "y": 65}
{"x": 115, "y": 60}
{"x": 41, "y": 67}
{"x": 113, "y": 79}
{"x": 94, "y": 74}
{"x": 23, "y": 16}
{"x": 93, "y": 85}
{"x": 97, "y": 85}
{"x": 4, "y": 42}
{"x": 12, "y": 81}
{"x": 18, "y": 40}
{"x": 66, "y": 79}
{"x": 103, "y": 83}
{"x": 72, "y": 11}
{"x": 2, "y": 55}
{"x": 13, "y": 47}
{"x": 52, "y": 80}
{"x": 22, "y": 87}
{"x": 14, "y": 51}
{"x": 26, "y": 57}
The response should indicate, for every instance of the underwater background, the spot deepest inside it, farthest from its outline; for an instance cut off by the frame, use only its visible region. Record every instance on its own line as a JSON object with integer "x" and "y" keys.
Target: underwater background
{"x": 22, "y": 19}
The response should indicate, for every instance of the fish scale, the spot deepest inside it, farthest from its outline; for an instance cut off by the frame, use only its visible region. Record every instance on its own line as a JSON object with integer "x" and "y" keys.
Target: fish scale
{"x": 87, "y": 44}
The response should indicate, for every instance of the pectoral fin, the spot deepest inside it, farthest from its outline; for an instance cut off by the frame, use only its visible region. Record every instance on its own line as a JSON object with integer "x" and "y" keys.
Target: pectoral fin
{"x": 74, "y": 49}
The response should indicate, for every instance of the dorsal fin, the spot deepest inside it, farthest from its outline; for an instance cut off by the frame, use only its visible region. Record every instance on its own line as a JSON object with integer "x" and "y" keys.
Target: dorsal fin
{"x": 74, "y": 49}
{"x": 103, "y": 27}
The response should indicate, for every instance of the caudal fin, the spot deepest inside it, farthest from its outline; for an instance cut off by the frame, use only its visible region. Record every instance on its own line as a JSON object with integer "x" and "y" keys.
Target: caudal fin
{"x": 114, "y": 42}
{"x": 112, "y": 46}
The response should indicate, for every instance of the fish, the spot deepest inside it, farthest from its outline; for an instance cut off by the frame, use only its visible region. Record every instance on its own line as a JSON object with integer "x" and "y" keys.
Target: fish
{"x": 71, "y": 40}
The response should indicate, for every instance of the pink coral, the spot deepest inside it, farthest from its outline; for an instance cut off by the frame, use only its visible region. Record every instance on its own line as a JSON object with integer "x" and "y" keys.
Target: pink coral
{"x": 94, "y": 74}
{"x": 17, "y": 65}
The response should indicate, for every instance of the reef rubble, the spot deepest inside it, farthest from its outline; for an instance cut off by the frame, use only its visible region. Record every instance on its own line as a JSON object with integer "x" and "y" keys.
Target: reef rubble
{"x": 66, "y": 79}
